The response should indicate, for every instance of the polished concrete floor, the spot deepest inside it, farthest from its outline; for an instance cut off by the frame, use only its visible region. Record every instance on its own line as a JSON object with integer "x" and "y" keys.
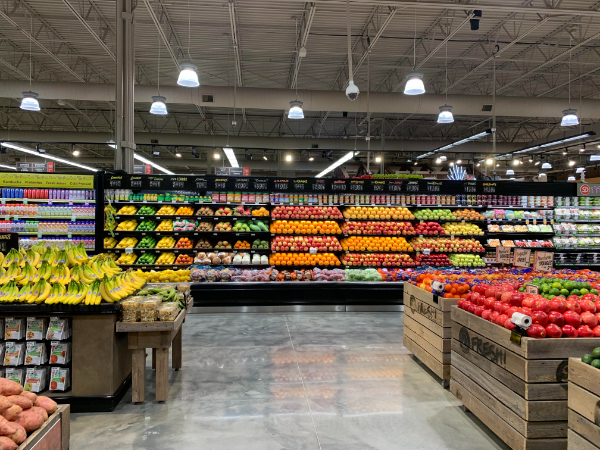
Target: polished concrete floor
{"x": 301, "y": 381}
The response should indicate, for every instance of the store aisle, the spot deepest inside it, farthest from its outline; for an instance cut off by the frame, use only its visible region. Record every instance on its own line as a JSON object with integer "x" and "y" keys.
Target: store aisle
{"x": 303, "y": 381}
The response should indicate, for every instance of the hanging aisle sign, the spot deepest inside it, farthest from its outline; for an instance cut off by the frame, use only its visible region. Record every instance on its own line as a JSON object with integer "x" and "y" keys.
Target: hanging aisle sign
{"x": 522, "y": 257}
{"x": 44, "y": 180}
{"x": 543, "y": 261}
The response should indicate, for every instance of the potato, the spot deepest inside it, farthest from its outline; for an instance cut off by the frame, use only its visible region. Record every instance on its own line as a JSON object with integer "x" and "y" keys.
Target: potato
{"x": 20, "y": 400}
{"x": 42, "y": 411}
{"x": 8, "y": 387}
{"x": 47, "y": 403}
{"x": 31, "y": 420}
{"x": 7, "y": 428}
{"x": 7, "y": 443}
{"x": 4, "y": 404}
{"x": 12, "y": 412}
{"x": 20, "y": 435}
{"x": 30, "y": 395}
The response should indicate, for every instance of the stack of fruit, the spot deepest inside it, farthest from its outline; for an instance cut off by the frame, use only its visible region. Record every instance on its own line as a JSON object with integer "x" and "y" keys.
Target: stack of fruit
{"x": 166, "y": 210}
{"x": 551, "y": 287}
{"x": 128, "y": 225}
{"x": 110, "y": 242}
{"x": 305, "y": 227}
{"x": 165, "y": 225}
{"x": 223, "y": 245}
{"x": 242, "y": 245}
{"x": 205, "y": 211}
{"x": 260, "y": 212}
{"x": 146, "y": 210}
{"x": 429, "y": 229}
{"x": 165, "y": 276}
{"x": 147, "y": 242}
{"x": 128, "y": 242}
{"x": 377, "y": 259}
{"x": 378, "y": 228}
{"x": 166, "y": 242}
{"x": 223, "y": 227}
{"x": 205, "y": 226}
{"x": 451, "y": 245}
{"x": 224, "y": 211}
{"x": 260, "y": 245}
{"x": 165, "y": 259}
{"x": 184, "y": 259}
{"x": 433, "y": 260}
{"x": 462, "y": 229}
{"x": 306, "y": 212}
{"x": 184, "y": 211}
{"x": 203, "y": 243}
{"x": 460, "y": 260}
{"x": 434, "y": 214}
{"x": 146, "y": 258}
{"x": 304, "y": 259}
{"x": 146, "y": 225}
{"x": 378, "y": 244}
{"x": 467, "y": 214}
{"x": 241, "y": 211}
{"x": 378, "y": 212}
{"x": 184, "y": 225}
{"x": 592, "y": 359}
{"x": 184, "y": 242}
{"x": 305, "y": 243}
{"x": 125, "y": 258}
{"x": 127, "y": 210}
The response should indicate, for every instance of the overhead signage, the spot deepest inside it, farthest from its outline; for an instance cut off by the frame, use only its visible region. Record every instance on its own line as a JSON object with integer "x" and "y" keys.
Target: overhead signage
{"x": 588, "y": 189}
{"x": 44, "y": 180}
{"x": 233, "y": 171}
{"x": 32, "y": 167}
{"x": 142, "y": 169}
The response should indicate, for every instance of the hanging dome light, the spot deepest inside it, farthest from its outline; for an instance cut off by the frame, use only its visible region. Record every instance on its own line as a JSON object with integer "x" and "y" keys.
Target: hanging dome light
{"x": 158, "y": 105}
{"x": 510, "y": 172}
{"x": 414, "y": 84}
{"x": 445, "y": 115}
{"x": 188, "y": 76}
{"x": 571, "y": 178}
{"x": 296, "y": 110}
{"x": 30, "y": 101}
{"x": 569, "y": 118}
{"x": 580, "y": 169}
{"x": 546, "y": 165}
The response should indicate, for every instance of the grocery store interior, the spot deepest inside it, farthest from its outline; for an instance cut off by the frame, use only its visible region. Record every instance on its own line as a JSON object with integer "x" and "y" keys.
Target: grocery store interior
{"x": 291, "y": 224}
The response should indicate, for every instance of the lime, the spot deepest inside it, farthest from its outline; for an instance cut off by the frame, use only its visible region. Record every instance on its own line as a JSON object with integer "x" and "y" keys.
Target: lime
{"x": 596, "y": 363}
{"x": 575, "y": 292}
{"x": 521, "y": 289}
{"x": 596, "y": 353}
{"x": 556, "y": 285}
{"x": 587, "y": 358}
{"x": 553, "y": 291}
{"x": 545, "y": 288}
{"x": 564, "y": 292}
{"x": 594, "y": 291}
{"x": 584, "y": 291}
{"x": 586, "y": 285}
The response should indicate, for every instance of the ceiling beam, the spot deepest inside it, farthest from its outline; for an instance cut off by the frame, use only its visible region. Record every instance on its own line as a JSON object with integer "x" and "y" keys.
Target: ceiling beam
{"x": 90, "y": 29}
{"x": 301, "y": 41}
{"x": 235, "y": 39}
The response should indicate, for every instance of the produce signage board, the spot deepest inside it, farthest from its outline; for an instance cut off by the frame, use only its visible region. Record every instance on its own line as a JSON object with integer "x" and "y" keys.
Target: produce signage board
{"x": 503, "y": 255}
{"x": 522, "y": 257}
{"x": 44, "y": 180}
{"x": 588, "y": 189}
{"x": 379, "y": 186}
{"x": 543, "y": 261}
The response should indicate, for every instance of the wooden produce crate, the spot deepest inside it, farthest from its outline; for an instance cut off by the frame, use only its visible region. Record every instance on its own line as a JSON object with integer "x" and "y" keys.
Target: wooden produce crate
{"x": 517, "y": 389}
{"x": 427, "y": 329}
{"x": 584, "y": 405}
{"x": 54, "y": 434}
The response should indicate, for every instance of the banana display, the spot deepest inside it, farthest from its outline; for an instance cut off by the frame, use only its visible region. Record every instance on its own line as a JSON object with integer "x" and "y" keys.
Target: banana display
{"x": 68, "y": 276}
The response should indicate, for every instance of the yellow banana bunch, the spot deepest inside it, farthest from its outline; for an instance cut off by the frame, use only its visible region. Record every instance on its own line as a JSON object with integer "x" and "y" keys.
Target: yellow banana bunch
{"x": 87, "y": 275}
{"x": 40, "y": 293}
{"x": 9, "y": 292}
{"x": 32, "y": 257}
{"x": 13, "y": 256}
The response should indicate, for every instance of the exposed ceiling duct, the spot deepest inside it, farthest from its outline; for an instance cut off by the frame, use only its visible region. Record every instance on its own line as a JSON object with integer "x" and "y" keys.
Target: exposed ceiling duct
{"x": 320, "y": 100}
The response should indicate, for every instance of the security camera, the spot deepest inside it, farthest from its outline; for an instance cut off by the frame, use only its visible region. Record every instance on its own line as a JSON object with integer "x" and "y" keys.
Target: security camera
{"x": 352, "y": 91}
{"x": 233, "y": 123}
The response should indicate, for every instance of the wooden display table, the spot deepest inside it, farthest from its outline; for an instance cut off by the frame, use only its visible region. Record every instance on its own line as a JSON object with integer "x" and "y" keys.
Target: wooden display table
{"x": 427, "y": 329}
{"x": 158, "y": 336}
{"x": 584, "y": 406}
{"x": 54, "y": 434}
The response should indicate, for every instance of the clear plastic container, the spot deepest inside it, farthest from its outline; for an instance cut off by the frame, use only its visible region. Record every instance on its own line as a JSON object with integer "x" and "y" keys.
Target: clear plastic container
{"x": 150, "y": 303}
{"x": 148, "y": 316}
{"x": 131, "y": 303}
{"x": 168, "y": 311}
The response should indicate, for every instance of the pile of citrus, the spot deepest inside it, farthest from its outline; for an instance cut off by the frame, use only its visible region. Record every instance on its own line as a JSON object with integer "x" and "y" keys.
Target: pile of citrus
{"x": 376, "y": 244}
{"x": 378, "y": 212}
{"x": 305, "y": 227}
{"x": 304, "y": 259}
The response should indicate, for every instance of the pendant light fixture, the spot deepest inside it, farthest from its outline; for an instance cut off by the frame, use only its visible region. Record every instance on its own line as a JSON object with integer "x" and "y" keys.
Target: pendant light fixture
{"x": 446, "y": 115}
{"x": 414, "y": 80}
{"x": 296, "y": 111}
{"x": 580, "y": 169}
{"x": 188, "y": 75}
{"x": 569, "y": 115}
{"x": 571, "y": 178}
{"x": 30, "y": 99}
{"x": 547, "y": 165}
{"x": 159, "y": 107}
{"x": 352, "y": 90}
{"x": 510, "y": 172}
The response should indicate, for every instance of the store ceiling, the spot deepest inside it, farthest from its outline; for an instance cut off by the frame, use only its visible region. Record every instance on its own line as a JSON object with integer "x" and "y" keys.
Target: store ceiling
{"x": 73, "y": 41}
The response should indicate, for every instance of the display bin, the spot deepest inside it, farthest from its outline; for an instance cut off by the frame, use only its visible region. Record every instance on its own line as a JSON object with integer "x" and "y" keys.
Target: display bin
{"x": 584, "y": 406}
{"x": 518, "y": 388}
{"x": 427, "y": 329}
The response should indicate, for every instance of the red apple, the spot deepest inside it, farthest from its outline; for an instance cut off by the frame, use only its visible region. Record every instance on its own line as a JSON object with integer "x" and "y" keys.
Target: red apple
{"x": 493, "y": 316}
{"x": 558, "y": 304}
{"x": 587, "y": 305}
{"x": 479, "y": 310}
{"x": 569, "y": 331}
{"x": 486, "y": 314}
{"x": 510, "y": 311}
{"x": 596, "y": 331}
{"x": 573, "y": 306}
{"x": 488, "y": 302}
{"x": 501, "y": 319}
{"x": 516, "y": 299}
{"x": 541, "y": 305}
{"x": 553, "y": 331}
{"x": 527, "y": 302}
{"x": 556, "y": 318}
{"x": 509, "y": 325}
{"x": 572, "y": 318}
{"x": 504, "y": 307}
{"x": 536, "y": 331}
{"x": 589, "y": 319}
{"x": 585, "y": 331}
{"x": 540, "y": 317}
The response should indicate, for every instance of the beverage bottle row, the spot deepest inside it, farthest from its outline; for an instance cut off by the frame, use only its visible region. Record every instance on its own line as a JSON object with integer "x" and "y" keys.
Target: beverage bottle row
{"x": 49, "y": 194}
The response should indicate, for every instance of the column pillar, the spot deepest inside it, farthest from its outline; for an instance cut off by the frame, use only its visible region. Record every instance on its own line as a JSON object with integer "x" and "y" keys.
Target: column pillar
{"x": 124, "y": 100}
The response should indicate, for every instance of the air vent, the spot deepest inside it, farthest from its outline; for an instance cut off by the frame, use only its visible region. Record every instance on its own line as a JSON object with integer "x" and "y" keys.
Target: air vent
{"x": 315, "y": 146}
{"x": 486, "y": 108}
{"x": 154, "y": 141}
{"x": 208, "y": 99}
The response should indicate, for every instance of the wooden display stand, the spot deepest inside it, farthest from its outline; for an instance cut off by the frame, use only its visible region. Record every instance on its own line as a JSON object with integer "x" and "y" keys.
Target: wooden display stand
{"x": 584, "y": 406}
{"x": 54, "y": 434}
{"x": 518, "y": 389}
{"x": 158, "y": 336}
{"x": 427, "y": 329}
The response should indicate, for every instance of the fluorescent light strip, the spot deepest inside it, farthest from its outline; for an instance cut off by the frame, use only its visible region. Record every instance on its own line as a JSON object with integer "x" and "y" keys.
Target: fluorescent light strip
{"x": 231, "y": 156}
{"x": 454, "y": 144}
{"x": 7, "y": 167}
{"x": 153, "y": 164}
{"x": 46, "y": 155}
{"x": 348, "y": 156}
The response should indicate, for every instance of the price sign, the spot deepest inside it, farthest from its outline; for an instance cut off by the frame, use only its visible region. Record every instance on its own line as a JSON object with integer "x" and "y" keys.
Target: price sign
{"x": 201, "y": 184}
{"x": 154, "y": 183}
{"x": 136, "y": 182}
{"x": 522, "y": 257}
{"x": 543, "y": 261}
{"x": 178, "y": 183}
{"x": 318, "y": 185}
{"x": 241, "y": 183}
{"x": 338, "y": 185}
{"x": 281, "y": 185}
{"x": 300, "y": 185}
{"x": 357, "y": 185}
{"x": 115, "y": 182}
{"x": 129, "y": 250}
{"x": 221, "y": 183}
{"x": 396, "y": 186}
{"x": 503, "y": 255}
{"x": 412, "y": 186}
{"x": 489, "y": 188}
{"x": 470, "y": 187}
{"x": 378, "y": 186}
{"x": 531, "y": 289}
{"x": 260, "y": 185}
{"x": 434, "y": 186}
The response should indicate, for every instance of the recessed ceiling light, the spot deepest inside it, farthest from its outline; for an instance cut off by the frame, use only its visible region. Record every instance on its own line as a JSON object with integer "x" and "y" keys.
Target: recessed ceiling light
{"x": 571, "y": 163}
{"x": 76, "y": 152}
{"x": 489, "y": 161}
{"x": 288, "y": 158}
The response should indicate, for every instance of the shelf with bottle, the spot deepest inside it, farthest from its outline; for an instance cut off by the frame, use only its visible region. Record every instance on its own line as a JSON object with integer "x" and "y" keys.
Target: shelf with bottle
{"x": 46, "y": 195}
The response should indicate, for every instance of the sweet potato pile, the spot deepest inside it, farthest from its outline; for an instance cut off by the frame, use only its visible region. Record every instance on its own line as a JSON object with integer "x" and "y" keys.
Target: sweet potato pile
{"x": 21, "y": 412}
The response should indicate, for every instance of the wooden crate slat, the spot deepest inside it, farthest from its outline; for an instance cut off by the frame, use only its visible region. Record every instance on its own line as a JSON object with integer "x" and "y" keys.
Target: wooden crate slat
{"x": 445, "y": 333}
{"x": 534, "y": 411}
{"x": 443, "y": 304}
{"x": 584, "y": 375}
{"x": 584, "y": 427}
{"x": 500, "y": 427}
{"x": 436, "y": 315}
{"x": 577, "y": 442}
{"x": 531, "y": 430}
{"x": 441, "y": 370}
{"x": 444, "y": 358}
{"x": 584, "y": 403}
{"x": 423, "y": 332}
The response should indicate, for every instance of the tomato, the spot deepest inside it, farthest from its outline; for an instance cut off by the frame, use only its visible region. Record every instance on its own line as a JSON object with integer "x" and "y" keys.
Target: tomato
{"x": 527, "y": 303}
{"x": 536, "y": 331}
{"x": 541, "y": 305}
{"x": 539, "y": 317}
{"x": 572, "y": 318}
{"x": 479, "y": 310}
{"x": 493, "y": 316}
{"x": 553, "y": 330}
{"x": 516, "y": 299}
{"x": 501, "y": 319}
{"x": 587, "y": 306}
{"x": 489, "y": 302}
{"x": 510, "y": 311}
{"x": 558, "y": 304}
{"x": 509, "y": 325}
{"x": 486, "y": 314}
{"x": 556, "y": 318}
{"x": 569, "y": 331}
{"x": 589, "y": 319}
{"x": 573, "y": 306}
{"x": 585, "y": 331}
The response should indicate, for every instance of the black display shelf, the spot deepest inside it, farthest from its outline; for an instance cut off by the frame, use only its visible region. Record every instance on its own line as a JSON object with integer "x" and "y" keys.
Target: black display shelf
{"x": 88, "y": 404}
{"x": 156, "y": 266}
{"x": 296, "y": 293}
{"x": 578, "y": 250}
{"x": 182, "y": 203}
{"x": 194, "y": 217}
{"x": 578, "y": 235}
{"x": 57, "y": 309}
{"x": 193, "y": 233}
{"x": 577, "y": 221}
{"x": 189, "y": 250}
{"x": 523, "y": 234}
